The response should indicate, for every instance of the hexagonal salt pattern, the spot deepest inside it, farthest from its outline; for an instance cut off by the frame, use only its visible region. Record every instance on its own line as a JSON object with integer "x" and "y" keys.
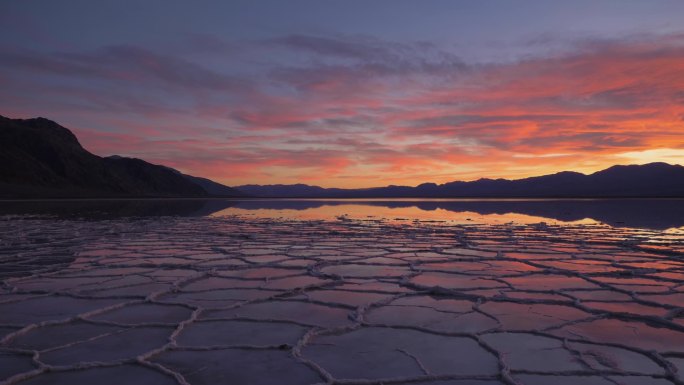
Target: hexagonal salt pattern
{"x": 242, "y": 300}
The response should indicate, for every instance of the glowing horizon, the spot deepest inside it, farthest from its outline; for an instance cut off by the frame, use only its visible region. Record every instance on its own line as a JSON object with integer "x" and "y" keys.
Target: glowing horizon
{"x": 353, "y": 95}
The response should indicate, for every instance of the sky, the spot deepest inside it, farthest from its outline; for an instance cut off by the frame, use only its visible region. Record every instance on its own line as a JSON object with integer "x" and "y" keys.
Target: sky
{"x": 346, "y": 93}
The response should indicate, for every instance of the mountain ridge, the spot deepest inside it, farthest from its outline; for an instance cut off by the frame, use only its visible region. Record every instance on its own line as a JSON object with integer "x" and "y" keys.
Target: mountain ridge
{"x": 657, "y": 179}
{"x": 41, "y": 159}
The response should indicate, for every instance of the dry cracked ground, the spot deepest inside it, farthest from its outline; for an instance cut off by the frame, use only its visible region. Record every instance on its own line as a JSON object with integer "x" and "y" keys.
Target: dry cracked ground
{"x": 236, "y": 300}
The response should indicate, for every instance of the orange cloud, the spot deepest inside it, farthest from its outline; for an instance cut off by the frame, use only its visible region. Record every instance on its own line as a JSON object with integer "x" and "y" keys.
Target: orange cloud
{"x": 374, "y": 114}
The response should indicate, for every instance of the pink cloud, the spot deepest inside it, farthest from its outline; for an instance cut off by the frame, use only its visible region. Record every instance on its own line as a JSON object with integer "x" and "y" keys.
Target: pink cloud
{"x": 370, "y": 117}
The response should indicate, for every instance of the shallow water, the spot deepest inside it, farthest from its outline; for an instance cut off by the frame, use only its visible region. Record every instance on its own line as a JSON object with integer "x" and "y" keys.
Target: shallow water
{"x": 304, "y": 292}
{"x": 658, "y": 214}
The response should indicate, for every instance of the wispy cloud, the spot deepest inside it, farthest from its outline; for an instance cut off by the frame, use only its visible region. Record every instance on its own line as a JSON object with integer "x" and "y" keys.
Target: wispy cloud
{"x": 325, "y": 108}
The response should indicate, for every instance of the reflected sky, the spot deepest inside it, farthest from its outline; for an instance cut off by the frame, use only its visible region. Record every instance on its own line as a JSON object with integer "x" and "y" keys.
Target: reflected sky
{"x": 657, "y": 214}
{"x": 381, "y": 210}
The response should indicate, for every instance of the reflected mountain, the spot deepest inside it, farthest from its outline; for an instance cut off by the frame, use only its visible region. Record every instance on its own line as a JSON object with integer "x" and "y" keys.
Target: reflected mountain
{"x": 115, "y": 208}
{"x": 637, "y": 213}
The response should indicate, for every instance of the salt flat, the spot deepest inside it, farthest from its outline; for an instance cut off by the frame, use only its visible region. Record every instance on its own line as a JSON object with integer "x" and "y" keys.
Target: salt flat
{"x": 246, "y": 300}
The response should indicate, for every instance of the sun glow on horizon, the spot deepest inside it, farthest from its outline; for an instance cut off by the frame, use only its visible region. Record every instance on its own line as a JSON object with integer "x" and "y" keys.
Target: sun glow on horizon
{"x": 667, "y": 155}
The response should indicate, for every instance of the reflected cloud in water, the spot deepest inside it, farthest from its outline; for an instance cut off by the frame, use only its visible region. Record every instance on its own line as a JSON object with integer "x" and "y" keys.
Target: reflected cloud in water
{"x": 637, "y": 213}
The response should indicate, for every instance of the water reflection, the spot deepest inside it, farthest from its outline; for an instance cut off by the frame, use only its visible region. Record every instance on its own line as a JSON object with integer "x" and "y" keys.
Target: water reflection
{"x": 636, "y": 213}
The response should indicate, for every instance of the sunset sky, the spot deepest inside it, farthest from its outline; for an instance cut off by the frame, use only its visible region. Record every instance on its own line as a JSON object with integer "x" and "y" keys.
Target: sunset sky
{"x": 354, "y": 93}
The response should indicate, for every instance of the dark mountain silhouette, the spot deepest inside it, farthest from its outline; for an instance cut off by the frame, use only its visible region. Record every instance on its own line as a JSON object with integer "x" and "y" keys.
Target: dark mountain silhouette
{"x": 649, "y": 180}
{"x": 39, "y": 158}
{"x": 214, "y": 188}
{"x": 286, "y": 190}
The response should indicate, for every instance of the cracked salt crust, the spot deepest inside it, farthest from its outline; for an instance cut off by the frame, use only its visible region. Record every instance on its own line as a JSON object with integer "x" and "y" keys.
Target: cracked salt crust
{"x": 264, "y": 301}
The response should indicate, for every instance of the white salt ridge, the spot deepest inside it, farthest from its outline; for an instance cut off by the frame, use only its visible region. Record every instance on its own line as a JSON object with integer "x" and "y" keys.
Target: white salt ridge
{"x": 264, "y": 301}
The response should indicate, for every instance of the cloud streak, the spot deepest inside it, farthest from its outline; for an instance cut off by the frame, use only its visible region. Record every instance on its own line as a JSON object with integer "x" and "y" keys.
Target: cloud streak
{"x": 355, "y": 111}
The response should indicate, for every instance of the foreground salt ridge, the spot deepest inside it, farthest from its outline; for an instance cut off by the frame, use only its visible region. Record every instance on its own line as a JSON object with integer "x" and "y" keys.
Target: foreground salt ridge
{"x": 261, "y": 301}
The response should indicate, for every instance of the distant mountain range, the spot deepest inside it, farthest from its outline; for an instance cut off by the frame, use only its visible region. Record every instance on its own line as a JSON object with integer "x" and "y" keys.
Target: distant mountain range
{"x": 649, "y": 180}
{"x": 39, "y": 159}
